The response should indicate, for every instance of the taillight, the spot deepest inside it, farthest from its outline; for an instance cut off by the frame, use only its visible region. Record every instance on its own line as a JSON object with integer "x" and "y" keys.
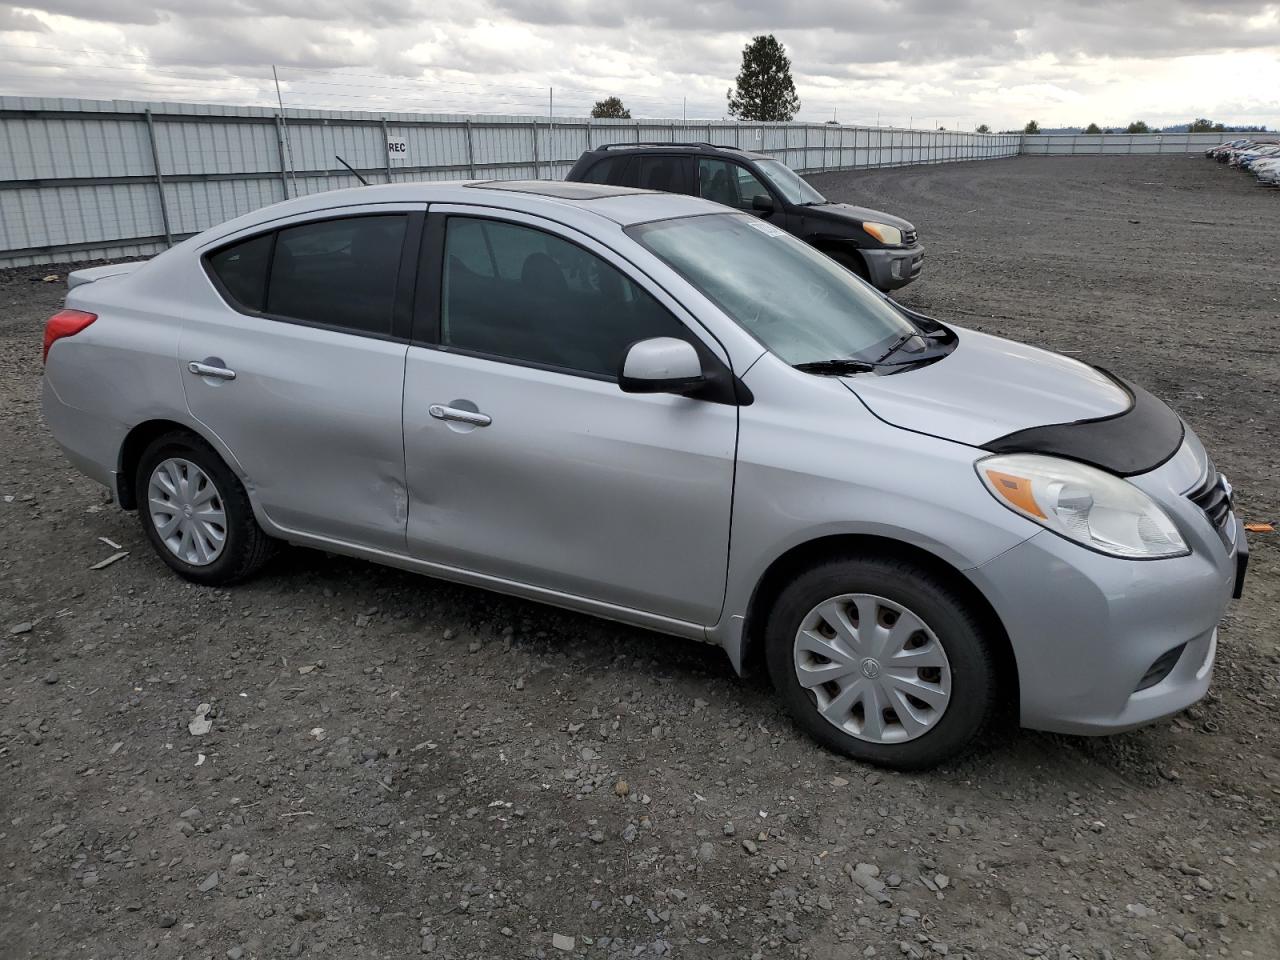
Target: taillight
{"x": 65, "y": 323}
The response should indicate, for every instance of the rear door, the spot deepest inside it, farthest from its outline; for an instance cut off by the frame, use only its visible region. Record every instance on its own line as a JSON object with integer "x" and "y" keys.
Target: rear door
{"x": 525, "y": 461}
{"x": 299, "y": 368}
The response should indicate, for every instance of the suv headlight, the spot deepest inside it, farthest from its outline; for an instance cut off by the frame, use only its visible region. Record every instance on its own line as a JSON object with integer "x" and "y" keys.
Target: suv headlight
{"x": 886, "y": 234}
{"x": 1090, "y": 506}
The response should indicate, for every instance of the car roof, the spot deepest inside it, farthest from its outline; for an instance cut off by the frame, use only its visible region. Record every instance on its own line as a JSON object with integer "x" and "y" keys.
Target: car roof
{"x": 577, "y": 204}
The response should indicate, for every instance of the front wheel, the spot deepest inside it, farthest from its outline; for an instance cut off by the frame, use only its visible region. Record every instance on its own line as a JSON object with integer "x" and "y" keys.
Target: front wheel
{"x": 881, "y": 660}
{"x": 196, "y": 513}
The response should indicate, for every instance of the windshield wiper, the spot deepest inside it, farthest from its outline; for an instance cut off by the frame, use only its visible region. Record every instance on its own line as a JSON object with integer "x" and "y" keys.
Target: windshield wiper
{"x": 837, "y": 367}
{"x": 898, "y": 344}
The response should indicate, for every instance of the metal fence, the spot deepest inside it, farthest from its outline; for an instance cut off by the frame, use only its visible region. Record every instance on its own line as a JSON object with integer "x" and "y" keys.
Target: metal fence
{"x": 1068, "y": 144}
{"x": 84, "y": 179}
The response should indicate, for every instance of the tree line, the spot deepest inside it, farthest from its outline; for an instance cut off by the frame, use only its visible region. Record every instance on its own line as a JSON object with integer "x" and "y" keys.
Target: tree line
{"x": 765, "y": 91}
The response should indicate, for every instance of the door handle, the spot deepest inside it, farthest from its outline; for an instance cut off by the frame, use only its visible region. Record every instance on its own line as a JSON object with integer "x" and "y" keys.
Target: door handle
{"x": 208, "y": 370}
{"x": 473, "y": 417}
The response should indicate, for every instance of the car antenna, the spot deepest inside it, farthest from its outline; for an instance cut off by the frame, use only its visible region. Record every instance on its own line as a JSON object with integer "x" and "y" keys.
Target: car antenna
{"x": 362, "y": 180}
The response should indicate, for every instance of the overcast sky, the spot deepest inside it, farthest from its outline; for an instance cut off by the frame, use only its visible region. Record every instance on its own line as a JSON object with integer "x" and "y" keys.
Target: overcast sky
{"x": 956, "y": 63}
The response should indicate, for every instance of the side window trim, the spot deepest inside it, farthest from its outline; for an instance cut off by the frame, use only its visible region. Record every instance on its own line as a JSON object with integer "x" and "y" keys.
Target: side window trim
{"x": 402, "y": 312}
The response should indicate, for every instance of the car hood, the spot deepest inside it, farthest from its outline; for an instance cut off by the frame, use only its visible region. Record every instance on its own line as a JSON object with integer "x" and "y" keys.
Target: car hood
{"x": 988, "y": 387}
{"x": 855, "y": 216}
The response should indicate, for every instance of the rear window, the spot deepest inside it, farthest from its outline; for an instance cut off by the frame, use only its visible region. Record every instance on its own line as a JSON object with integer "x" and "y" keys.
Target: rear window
{"x": 340, "y": 273}
{"x": 242, "y": 269}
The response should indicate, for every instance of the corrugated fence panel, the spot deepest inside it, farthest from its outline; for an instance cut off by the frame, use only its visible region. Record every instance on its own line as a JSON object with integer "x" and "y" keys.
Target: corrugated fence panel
{"x": 78, "y": 178}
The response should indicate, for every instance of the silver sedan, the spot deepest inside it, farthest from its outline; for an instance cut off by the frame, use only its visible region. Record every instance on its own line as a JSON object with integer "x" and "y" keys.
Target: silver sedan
{"x": 646, "y": 407}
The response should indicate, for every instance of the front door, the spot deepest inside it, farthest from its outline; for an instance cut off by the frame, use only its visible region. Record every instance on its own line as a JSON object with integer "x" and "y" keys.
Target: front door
{"x": 299, "y": 370}
{"x": 735, "y": 186}
{"x": 525, "y": 461}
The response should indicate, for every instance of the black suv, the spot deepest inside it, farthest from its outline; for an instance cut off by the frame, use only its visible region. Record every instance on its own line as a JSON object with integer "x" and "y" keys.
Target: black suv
{"x": 878, "y": 247}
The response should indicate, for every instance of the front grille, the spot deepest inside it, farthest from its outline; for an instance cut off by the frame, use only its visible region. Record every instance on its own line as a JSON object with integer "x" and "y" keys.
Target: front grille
{"x": 1213, "y": 496}
{"x": 1161, "y": 668}
{"x": 909, "y": 237}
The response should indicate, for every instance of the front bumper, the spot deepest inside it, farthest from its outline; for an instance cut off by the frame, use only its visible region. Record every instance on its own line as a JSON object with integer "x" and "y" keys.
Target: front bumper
{"x": 1105, "y": 645}
{"x": 891, "y": 268}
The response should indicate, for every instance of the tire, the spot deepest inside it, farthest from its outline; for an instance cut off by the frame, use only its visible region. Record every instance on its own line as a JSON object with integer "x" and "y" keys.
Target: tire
{"x": 852, "y": 262}
{"x": 242, "y": 548}
{"x": 959, "y": 684}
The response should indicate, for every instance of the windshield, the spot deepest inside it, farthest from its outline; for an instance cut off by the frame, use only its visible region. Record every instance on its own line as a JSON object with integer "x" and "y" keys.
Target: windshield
{"x": 799, "y": 303}
{"x": 789, "y": 183}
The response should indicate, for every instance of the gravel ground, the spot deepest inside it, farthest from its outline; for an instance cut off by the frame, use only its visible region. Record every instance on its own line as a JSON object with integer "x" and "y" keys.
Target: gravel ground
{"x": 397, "y": 766}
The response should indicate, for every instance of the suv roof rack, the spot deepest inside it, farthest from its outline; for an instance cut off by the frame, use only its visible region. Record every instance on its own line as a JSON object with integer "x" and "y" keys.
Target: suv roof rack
{"x": 700, "y": 144}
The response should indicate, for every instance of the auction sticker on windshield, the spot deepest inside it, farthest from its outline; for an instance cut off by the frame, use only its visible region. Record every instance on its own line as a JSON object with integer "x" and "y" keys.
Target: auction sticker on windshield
{"x": 768, "y": 229}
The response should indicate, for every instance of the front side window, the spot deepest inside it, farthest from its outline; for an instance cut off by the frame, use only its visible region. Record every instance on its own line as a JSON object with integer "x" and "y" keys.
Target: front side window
{"x": 799, "y": 303}
{"x": 515, "y": 292}
{"x": 340, "y": 273}
{"x": 728, "y": 183}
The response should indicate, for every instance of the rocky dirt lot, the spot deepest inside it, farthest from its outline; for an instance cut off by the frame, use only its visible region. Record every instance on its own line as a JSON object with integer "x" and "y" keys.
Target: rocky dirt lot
{"x": 398, "y": 766}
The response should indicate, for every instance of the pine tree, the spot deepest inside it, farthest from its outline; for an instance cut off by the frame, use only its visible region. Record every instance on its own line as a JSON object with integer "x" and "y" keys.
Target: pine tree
{"x": 610, "y": 108}
{"x": 1093, "y": 128}
{"x": 1031, "y": 127}
{"x": 765, "y": 90}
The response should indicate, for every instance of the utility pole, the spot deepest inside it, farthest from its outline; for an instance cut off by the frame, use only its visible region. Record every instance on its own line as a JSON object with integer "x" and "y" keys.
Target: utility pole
{"x": 284, "y": 128}
{"x": 684, "y": 111}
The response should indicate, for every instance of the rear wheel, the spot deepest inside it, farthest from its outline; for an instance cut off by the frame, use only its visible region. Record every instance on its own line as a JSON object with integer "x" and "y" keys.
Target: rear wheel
{"x": 196, "y": 513}
{"x": 881, "y": 660}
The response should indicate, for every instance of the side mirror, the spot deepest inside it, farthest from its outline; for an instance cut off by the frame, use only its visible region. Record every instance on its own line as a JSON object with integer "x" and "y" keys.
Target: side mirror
{"x": 762, "y": 202}
{"x": 661, "y": 365}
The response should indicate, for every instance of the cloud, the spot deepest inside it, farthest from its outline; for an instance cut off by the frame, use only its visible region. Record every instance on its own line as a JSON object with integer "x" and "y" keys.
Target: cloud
{"x": 19, "y": 21}
{"x": 959, "y": 61}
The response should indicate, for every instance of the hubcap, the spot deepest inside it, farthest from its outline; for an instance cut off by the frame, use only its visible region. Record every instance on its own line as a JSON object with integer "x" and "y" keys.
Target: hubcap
{"x": 873, "y": 668}
{"x": 187, "y": 511}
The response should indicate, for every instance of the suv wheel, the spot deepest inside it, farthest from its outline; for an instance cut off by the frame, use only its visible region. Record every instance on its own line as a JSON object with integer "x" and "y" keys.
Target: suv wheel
{"x": 881, "y": 660}
{"x": 196, "y": 513}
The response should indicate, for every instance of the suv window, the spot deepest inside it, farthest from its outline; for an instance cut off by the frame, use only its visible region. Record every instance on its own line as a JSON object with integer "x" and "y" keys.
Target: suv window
{"x": 340, "y": 273}
{"x": 661, "y": 172}
{"x": 728, "y": 183}
{"x": 600, "y": 170}
{"x": 522, "y": 294}
{"x": 242, "y": 268}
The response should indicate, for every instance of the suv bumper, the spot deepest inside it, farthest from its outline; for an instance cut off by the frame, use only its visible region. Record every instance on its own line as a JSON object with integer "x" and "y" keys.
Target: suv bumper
{"x": 890, "y": 269}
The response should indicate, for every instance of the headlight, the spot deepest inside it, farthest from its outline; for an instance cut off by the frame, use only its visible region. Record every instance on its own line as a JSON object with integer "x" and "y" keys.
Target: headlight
{"x": 1084, "y": 504}
{"x": 884, "y": 233}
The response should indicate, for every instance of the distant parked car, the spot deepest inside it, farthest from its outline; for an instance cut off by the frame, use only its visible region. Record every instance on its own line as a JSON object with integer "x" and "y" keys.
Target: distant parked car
{"x": 1258, "y": 154}
{"x": 879, "y": 247}
{"x": 668, "y": 413}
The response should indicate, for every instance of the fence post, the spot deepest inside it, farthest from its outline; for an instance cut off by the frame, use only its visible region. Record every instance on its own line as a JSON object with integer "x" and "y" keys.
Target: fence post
{"x": 155, "y": 160}
{"x": 471, "y": 153}
{"x": 537, "y": 164}
{"x": 284, "y": 173}
{"x": 386, "y": 135}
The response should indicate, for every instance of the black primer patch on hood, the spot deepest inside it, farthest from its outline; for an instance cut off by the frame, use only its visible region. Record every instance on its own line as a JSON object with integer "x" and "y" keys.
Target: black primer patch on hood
{"x": 1128, "y": 443}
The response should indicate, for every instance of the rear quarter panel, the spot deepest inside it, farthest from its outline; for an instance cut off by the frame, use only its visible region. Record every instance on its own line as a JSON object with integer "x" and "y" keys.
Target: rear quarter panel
{"x": 121, "y": 370}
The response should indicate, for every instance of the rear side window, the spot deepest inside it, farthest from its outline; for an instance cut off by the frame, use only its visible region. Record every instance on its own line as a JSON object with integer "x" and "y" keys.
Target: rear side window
{"x": 599, "y": 173}
{"x": 242, "y": 269}
{"x": 661, "y": 172}
{"x": 340, "y": 273}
